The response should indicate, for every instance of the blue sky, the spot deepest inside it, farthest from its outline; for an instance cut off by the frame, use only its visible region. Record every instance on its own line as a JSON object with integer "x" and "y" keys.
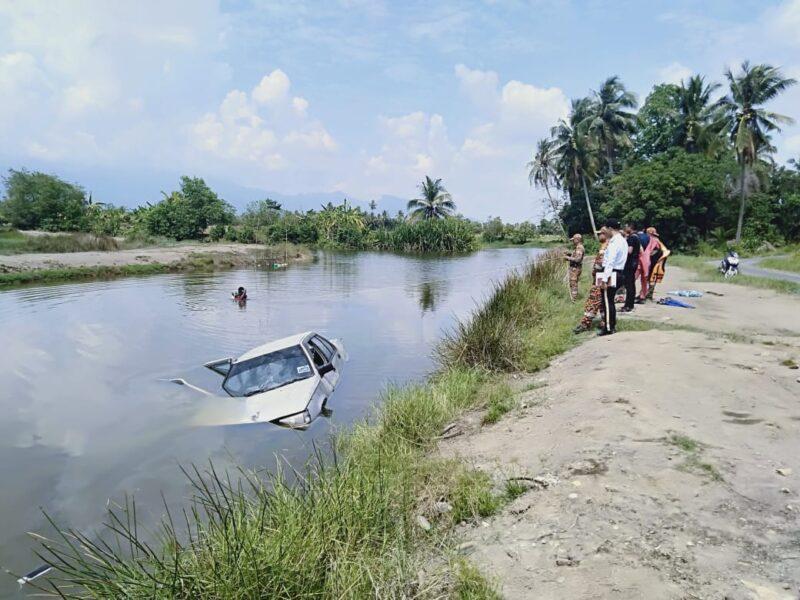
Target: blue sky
{"x": 362, "y": 97}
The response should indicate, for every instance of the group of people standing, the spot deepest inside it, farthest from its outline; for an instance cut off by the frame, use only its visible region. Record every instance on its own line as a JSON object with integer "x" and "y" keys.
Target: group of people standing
{"x": 625, "y": 256}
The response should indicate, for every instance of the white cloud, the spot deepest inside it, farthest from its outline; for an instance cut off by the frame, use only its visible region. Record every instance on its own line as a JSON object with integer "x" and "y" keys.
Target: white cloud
{"x": 485, "y": 169}
{"x": 267, "y": 128}
{"x": 783, "y": 22}
{"x": 273, "y": 88}
{"x": 674, "y": 72}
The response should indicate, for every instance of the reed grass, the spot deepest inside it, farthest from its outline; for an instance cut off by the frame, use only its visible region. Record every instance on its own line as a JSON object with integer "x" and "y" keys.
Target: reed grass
{"x": 526, "y": 320}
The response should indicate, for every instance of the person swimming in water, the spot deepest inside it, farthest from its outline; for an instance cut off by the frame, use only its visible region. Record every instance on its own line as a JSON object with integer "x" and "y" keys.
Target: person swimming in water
{"x": 240, "y": 295}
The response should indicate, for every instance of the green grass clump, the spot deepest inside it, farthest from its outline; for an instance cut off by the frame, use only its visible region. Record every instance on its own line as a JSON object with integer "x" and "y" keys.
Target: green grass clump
{"x": 501, "y": 400}
{"x": 782, "y": 263}
{"x": 693, "y": 462}
{"x": 685, "y": 443}
{"x": 471, "y": 584}
{"x": 473, "y": 496}
{"x": 527, "y": 320}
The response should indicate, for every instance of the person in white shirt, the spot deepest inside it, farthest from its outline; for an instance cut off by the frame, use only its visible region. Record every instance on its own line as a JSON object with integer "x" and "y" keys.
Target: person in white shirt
{"x": 611, "y": 277}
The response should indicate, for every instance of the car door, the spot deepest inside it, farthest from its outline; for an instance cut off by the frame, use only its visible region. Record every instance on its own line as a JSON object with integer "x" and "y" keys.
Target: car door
{"x": 323, "y": 352}
{"x": 337, "y": 350}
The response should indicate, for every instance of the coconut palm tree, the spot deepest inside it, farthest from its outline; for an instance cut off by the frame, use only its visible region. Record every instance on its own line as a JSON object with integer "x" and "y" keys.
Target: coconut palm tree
{"x": 575, "y": 150}
{"x": 435, "y": 202}
{"x": 610, "y": 120}
{"x": 699, "y": 119}
{"x": 749, "y": 123}
{"x": 542, "y": 173}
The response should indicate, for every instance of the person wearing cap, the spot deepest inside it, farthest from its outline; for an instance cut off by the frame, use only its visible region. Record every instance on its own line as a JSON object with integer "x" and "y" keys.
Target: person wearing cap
{"x": 610, "y": 278}
{"x": 594, "y": 300}
{"x": 575, "y": 260}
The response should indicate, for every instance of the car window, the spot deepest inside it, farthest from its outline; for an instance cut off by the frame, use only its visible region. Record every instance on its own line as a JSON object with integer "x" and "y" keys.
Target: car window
{"x": 267, "y": 372}
{"x": 326, "y": 351}
{"x": 316, "y": 355}
{"x": 326, "y": 345}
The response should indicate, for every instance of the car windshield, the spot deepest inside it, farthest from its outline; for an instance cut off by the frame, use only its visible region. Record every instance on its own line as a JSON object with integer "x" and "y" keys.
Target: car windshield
{"x": 267, "y": 372}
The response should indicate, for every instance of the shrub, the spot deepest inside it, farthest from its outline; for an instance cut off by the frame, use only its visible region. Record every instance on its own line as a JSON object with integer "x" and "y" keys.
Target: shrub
{"x": 217, "y": 232}
{"x": 37, "y": 200}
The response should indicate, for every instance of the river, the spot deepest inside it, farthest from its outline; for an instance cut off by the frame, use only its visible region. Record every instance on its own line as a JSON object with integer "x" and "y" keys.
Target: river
{"x": 87, "y": 416}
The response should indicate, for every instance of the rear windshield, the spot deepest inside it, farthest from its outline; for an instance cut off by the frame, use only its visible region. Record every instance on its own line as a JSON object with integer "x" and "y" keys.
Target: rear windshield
{"x": 267, "y": 372}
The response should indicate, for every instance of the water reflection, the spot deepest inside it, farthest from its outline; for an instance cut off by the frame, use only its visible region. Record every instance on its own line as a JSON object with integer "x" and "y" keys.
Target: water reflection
{"x": 88, "y": 415}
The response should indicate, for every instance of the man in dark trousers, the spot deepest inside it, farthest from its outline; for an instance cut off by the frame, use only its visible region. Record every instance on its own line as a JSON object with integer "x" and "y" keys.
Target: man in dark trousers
{"x": 610, "y": 278}
{"x": 634, "y": 247}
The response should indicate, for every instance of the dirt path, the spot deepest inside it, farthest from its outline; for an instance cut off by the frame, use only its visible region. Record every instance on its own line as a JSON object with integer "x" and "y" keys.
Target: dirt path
{"x": 167, "y": 255}
{"x": 663, "y": 464}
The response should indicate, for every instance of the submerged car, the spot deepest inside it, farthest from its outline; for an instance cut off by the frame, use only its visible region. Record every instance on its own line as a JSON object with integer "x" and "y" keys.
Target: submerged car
{"x": 287, "y": 382}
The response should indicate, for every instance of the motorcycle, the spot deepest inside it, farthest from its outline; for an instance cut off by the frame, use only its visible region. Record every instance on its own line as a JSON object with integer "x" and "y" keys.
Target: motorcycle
{"x": 729, "y": 266}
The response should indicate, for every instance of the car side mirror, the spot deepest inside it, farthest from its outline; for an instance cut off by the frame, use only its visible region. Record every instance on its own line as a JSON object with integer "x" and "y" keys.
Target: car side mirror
{"x": 324, "y": 369}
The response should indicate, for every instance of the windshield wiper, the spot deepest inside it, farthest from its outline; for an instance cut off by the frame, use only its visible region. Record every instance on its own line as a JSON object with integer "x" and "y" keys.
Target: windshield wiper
{"x": 269, "y": 389}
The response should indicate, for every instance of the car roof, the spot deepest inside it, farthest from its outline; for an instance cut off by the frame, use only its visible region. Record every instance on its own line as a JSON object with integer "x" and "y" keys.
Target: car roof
{"x": 287, "y": 342}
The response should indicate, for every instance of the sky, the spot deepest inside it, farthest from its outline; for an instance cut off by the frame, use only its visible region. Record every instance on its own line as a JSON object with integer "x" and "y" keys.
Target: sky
{"x": 362, "y": 98}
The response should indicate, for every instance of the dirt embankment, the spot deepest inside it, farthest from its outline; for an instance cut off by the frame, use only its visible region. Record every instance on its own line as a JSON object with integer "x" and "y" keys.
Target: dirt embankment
{"x": 661, "y": 463}
{"x": 228, "y": 255}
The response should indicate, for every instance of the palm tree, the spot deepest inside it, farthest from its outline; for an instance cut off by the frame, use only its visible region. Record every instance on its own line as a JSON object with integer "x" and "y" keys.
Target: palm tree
{"x": 700, "y": 121}
{"x": 542, "y": 173}
{"x": 435, "y": 202}
{"x": 610, "y": 120}
{"x": 575, "y": 151}
{"x": 750, "y": 124}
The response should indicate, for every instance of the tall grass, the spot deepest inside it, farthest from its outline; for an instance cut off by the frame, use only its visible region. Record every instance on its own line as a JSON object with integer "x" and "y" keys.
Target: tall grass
{"x": 432, "y": 236}
{"x": 526, "y": 320}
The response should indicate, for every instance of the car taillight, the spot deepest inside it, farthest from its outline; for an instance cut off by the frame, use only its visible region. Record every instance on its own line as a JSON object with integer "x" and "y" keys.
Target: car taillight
{"x": 301, "y": 419}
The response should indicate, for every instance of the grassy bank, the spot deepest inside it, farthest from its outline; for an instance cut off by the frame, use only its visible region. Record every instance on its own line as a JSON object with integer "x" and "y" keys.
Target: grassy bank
{"x": 706, "y": 271}
{"x": 371, "y": 518}
{"x": 195, "y": 261}
{"x": 783, "y": 263}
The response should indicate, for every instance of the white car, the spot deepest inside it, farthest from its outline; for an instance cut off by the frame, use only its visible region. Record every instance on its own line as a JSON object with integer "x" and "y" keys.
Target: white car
{"x": 286, "y": 382}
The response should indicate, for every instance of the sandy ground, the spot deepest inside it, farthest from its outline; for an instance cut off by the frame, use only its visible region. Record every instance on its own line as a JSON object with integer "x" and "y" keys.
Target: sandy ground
{"x": 161, "y": 255}
{"x": 616, "y": 508}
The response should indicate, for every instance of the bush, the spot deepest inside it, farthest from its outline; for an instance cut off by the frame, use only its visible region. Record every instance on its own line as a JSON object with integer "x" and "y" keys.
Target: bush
{"x": 186, "y": 214}
{"x": 217, "y": 232}
{"x": 37, "y": 200}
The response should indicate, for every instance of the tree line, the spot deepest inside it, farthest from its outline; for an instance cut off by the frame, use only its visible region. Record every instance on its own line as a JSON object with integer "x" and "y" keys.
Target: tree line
{"x": 35, "y": 200}
{"x": 695, "y": 161}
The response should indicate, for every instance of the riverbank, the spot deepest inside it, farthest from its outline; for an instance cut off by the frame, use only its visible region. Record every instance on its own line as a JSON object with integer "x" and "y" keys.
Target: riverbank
{"x": 375, "y": 522}
{"x": 45, "y": 267}
{"x": 661, "y": 462}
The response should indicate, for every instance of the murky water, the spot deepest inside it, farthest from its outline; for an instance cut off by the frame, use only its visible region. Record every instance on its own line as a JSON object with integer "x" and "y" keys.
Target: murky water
{"x": 87, "y": 418}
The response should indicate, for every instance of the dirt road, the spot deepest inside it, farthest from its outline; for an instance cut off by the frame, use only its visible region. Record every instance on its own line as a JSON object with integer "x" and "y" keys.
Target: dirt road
{"x": 661, "y": 463}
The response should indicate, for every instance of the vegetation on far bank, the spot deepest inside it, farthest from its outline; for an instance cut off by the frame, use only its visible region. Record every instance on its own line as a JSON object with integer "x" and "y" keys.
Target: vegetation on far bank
{"x": 36, "y": 200}
{"x": 361, "y": 521}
